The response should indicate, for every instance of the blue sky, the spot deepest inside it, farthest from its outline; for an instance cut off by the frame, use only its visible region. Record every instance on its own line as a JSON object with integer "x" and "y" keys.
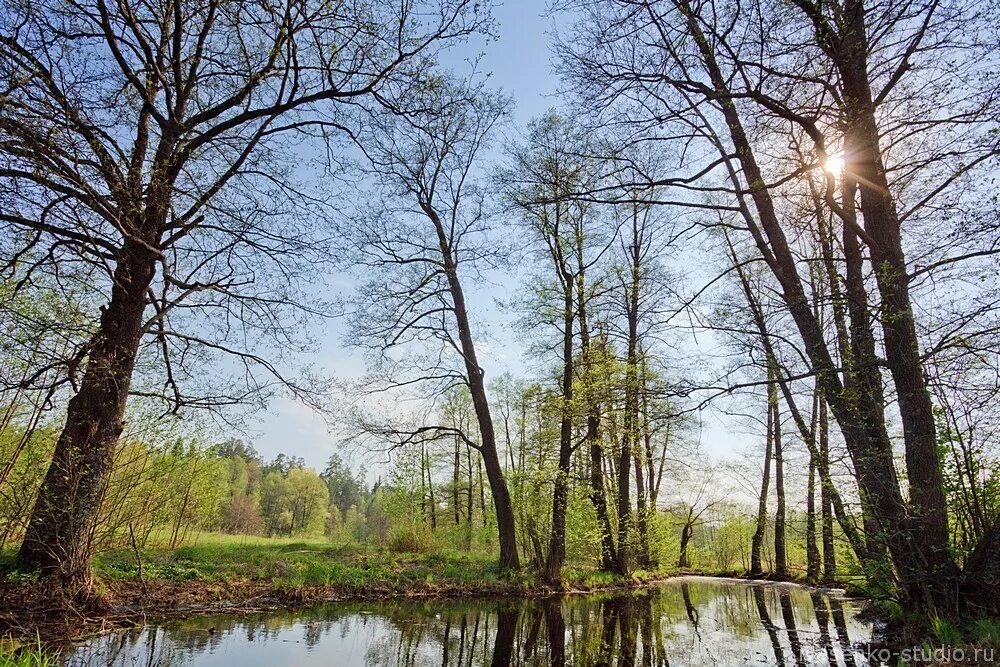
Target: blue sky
{"x": 519, "y": 63}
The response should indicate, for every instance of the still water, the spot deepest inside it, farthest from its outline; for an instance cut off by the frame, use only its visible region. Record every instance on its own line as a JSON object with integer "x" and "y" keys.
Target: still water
{"x": 691, "y": 621}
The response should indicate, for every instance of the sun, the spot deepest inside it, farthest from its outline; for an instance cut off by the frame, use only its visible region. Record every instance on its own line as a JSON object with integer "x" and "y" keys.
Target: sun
{"x": 834, "y": 164}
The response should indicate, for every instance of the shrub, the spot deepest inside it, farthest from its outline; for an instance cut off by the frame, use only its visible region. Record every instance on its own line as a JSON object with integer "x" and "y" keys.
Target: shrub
{"x": 411, "y": 538}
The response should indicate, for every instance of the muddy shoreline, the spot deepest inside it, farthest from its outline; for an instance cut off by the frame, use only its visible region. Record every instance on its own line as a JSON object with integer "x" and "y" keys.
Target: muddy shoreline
{"x": 30, "y": 613}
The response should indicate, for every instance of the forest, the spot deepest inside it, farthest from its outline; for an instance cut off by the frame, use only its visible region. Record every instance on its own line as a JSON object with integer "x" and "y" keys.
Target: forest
{"x": 730, "y": 306}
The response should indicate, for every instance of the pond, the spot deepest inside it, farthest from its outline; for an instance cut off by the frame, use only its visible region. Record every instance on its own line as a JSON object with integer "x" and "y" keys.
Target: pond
{"x": 690, "y": 621}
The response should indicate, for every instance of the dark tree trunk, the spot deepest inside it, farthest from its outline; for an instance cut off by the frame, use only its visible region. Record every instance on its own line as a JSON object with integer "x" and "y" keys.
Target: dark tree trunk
{"x": 597, "y": 495}
{"x": 926, "y": 573}
{"x": 757, "y": 542}
{"x": 812, "y": 549}
{"x": 430, "y": 492}
{"x": 594, "y": 446}
{"x": 482, "y": 494}
{"x": 503, "y": 507}
{"x": 686, "y": 531}
{"x": 456, "y": 505}
{"x": 982, "y": 574}
{"x": 560, "y": 492}
{"x": 642, "y": 516}
{"x": 631, "y": 418}
{"x": 652, "y": 481}
{"x": 469, "y": 488}
{"x": 863, "y": 385}
{"x": 919, "y": 538}
{"x": 829, "y": 551}
{"x": 624, "y": 506}
{"x": 58, "y": 538}
{"x": 780, "y": 557}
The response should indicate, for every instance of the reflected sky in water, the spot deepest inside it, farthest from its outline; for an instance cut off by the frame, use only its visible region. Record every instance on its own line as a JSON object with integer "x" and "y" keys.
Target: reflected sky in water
{"x": 689, "y": 621}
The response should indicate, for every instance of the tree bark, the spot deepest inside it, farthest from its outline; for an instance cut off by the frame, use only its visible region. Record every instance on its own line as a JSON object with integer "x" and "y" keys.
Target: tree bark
{"x": 780, "y": 554}
{"x": 560, "y": 492}
{"x": 829, "y": 551}
{"x": 456, "y": 469}
{"x": 812, "y": 550}
{"x": 881, "y": 221}
{"x": 430, "y": 491}
{"x": 757, "y": 542}
{"x": 925, "y": 576}
{"x": 919, "y": 537}
{"x": 982, "y": 574}
{"x": 594, "y": 447}
{"x": 631, "y": 417}
{"x": 503, "y": 507}
{"x": 57, "y": 541}
{"x": 686, "y": 532}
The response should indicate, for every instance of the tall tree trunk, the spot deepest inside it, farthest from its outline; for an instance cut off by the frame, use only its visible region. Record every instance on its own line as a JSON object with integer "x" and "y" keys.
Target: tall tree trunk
{"x": 560, "y": 492}
{"x": 597, "y": 495}
{"x": 456, "y": 469}
{"x": 430, "y": 492}
{"x": 924, "y": 574}
{"x": 594, "y": 447}
{"x": 823, "y": 467}
{"x": 757, "y": 541}
{"x": 780, "y": 552}
{"x": 916, "y": 536}
{"x": 474, "y": 374}
{"x": 631, "y": 417}
{"x": 652, "y": 481}
{"x": 482, "y": 494}
{"x": 469, "y": 488}
{"x": 812, "y": 549}
{"x": 423, "y": 484}
{"x": 641, "y": 512}
{"x": 58, "y": 538}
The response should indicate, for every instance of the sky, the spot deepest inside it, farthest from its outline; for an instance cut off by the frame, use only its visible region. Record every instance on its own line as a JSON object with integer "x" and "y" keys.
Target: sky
{"x": 519, "y": 63}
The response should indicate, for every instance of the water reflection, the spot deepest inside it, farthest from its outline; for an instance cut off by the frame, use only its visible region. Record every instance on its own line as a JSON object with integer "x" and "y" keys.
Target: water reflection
{"x": 691, "y": 621}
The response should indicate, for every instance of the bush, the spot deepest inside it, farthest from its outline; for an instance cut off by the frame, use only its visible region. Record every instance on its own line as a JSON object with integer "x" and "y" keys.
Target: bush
{"x": 411, "y": 538}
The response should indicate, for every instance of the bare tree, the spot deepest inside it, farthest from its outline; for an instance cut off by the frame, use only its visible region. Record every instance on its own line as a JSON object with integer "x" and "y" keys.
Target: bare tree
{"x": 432, "y": 228}
{"x": 150, "y": 145}
{"x": 872, "y": 79}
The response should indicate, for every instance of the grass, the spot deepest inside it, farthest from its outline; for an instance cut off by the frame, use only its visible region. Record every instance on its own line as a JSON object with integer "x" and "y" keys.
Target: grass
{"x": 13, "y": 654}
{"x": 295, "y": 563}
{"x": 945, "y": 632}
{"x": 249, "y": 571}
{"x": 986, "y": 631}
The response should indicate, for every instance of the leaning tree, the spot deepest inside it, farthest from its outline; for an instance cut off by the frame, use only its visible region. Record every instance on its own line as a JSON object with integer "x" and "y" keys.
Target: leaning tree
{"x": 430, "y": 232}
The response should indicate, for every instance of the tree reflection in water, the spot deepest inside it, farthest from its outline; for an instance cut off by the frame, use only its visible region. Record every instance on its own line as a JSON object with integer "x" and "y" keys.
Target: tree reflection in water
{"x": 691, "y": 621}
